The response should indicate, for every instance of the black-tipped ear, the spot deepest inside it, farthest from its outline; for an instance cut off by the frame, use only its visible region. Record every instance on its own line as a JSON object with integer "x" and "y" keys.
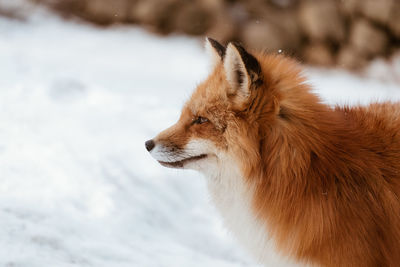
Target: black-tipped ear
{"x": 252, "y": 66}
{"x": 243, "y": 72}
{"x": 219, "y": 48}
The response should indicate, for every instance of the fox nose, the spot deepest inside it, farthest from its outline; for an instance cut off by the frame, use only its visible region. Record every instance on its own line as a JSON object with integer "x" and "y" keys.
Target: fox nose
{"x": 149, "y": 145}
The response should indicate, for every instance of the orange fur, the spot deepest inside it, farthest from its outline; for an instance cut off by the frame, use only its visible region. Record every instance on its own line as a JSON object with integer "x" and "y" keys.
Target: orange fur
{"x": 327, "y": 180}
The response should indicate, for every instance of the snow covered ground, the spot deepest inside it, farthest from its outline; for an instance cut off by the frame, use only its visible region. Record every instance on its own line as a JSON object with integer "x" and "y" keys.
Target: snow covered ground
{"x": 77, "y": 187}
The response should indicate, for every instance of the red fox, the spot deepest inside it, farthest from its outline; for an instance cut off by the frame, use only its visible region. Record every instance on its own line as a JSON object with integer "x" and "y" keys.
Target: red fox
{"x": 297, "y": 182}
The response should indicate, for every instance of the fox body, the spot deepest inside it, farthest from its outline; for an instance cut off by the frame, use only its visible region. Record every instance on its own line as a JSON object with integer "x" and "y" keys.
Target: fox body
{"x": 299, "y": 183}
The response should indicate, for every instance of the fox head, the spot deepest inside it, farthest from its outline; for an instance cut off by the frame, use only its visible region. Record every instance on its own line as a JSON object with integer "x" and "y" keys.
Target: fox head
{"x": 221, "y": 120}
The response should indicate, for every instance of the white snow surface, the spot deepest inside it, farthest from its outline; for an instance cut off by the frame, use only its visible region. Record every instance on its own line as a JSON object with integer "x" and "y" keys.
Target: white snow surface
{"x": 77, "y": 187}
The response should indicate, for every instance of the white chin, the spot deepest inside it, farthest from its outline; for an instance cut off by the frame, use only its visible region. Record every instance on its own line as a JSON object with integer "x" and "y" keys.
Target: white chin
{"x": 188, "y": 163}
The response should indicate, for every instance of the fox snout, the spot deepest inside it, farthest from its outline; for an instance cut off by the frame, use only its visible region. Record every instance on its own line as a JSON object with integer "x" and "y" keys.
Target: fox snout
{"x": 172, "y": 156}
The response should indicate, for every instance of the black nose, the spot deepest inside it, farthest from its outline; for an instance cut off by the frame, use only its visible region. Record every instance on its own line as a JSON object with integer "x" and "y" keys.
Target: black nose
{"x": 149, "y": 145}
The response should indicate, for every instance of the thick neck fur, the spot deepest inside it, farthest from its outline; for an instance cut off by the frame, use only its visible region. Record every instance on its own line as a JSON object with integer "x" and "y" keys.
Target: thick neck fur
{"x": 321, "y": 180}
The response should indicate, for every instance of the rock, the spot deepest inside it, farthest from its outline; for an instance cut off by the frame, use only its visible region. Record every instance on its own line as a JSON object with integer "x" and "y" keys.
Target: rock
{"x": 321, "y": 20}
{"x": 224, "y": 28}
{"x": 350, "y": 7}
{"x": 239, "y": 13}
{"x": 16, "y": 9}
{"x": 193, "y": 19}
{"x": 212, "y": 5}
{"x": 349, "y": 58}
{"x": 105, "y": 11}
{"x": 261, "y": 35}
{"x": 379, "y": 11}
{"x": 367, "y": 39}
{"x": 287, "y": 24}
{"x": 228, "y": 20}
{"x": 155, "y": 13}
{"x": 318, "y": 54}
{"x": 66, "y": 8}
{"x": 277, "y": 30}
{"x": 284, "y": 3}
{"x": 394, "y": 22}
{"x": 395, "y": 62}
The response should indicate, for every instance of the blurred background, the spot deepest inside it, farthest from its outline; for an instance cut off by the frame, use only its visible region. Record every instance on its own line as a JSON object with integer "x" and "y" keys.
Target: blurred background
{"x": 344, "y": 33}
{"x": 83, "y": 83}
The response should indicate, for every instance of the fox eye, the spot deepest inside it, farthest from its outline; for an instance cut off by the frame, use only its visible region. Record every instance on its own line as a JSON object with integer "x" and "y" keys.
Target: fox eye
{"x": 199, "y": 120}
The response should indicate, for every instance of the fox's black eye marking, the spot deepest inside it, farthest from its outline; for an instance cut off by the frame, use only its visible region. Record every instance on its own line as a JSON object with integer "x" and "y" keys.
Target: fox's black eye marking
{"x": 199, "y": 120}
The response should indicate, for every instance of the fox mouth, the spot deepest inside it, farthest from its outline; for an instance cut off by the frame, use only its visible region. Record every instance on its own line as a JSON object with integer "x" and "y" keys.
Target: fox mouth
{"x": 180, "y": 163}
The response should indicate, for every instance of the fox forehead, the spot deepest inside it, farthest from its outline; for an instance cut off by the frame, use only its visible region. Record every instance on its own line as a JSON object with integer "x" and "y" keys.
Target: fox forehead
{"x": 210, "y": 95}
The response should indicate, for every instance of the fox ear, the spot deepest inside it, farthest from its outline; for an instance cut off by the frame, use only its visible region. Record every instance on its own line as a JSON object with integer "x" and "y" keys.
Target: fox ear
{"x": 242, "y": 71}
{"x": 216, "y": 50}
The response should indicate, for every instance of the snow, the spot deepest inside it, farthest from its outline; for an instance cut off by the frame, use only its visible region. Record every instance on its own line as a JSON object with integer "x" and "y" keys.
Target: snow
{"x": 77, "y": 187}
